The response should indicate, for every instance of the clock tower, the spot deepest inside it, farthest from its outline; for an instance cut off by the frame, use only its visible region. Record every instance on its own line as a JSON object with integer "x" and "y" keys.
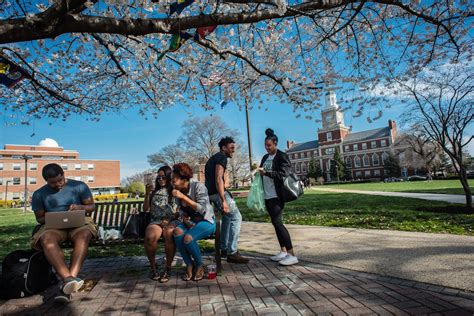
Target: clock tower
{"x": 333, "y": 130}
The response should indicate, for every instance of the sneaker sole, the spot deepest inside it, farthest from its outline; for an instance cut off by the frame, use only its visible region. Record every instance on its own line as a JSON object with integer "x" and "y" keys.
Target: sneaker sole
{"x": 289, "y": 263}
{"x": 277, "y": 259}
{"x": 72, "y": 287}
{"x": 62, "y": 299}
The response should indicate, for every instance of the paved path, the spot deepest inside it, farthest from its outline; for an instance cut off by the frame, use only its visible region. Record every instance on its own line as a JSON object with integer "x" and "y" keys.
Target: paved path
{"x": 258, "y": 288}
{"x": 451, "y": 198}
{"x": 442, "y": 259}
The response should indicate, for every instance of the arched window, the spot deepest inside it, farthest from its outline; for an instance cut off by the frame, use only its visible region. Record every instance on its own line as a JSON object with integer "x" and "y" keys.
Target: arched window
{"x": 375, "y": 160}
{"x": 349, "y": 162}
{"x": 357, "y": 162}
{"x": 303, "y": 167}
{"x": 366, "y": 161}
{"x": 384, "y": 157}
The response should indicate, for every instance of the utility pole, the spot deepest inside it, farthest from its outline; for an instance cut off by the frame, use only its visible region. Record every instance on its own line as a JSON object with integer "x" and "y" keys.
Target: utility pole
{"x": 248, "y": 132}
{"x": 26, "y": 158}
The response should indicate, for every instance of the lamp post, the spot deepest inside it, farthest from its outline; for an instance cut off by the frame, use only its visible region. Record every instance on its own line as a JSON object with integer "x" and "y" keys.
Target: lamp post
{"x": 248, "y": 132}
{"x": 6, "y": 191}
{"x": 26, "y": 158}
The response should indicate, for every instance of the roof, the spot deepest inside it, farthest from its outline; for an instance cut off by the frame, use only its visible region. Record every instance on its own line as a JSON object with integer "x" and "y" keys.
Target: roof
{"x": 366, "y": 135}
{"x": 304, "y": 146}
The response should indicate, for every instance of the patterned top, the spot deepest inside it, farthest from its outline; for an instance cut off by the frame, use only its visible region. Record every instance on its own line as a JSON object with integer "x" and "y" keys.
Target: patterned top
{"x": 160, "y": 208}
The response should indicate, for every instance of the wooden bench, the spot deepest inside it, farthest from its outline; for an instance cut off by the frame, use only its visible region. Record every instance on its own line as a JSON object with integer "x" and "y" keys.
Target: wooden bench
{"x": 110, "y": 215}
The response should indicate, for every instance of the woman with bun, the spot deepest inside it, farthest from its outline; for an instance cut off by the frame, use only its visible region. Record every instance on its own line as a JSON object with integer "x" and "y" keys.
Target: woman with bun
{"x": 274, "y": 167}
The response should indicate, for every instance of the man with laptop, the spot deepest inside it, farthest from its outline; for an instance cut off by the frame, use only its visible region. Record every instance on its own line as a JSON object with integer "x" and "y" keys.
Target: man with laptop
{"x": 63, "y": 207}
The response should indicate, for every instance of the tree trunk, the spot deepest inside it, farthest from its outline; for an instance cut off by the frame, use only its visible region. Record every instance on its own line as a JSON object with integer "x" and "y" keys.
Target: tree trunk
{"x": 467, "y": 189}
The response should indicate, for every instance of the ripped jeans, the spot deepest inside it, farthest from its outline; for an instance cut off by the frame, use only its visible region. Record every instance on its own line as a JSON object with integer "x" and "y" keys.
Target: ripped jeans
{"x": 186, "y": 241}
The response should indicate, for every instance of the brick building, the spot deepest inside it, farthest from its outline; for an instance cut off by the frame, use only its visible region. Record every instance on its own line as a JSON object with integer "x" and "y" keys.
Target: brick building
{"x": 363, "y": 152}
{"x": 102, "y": 176}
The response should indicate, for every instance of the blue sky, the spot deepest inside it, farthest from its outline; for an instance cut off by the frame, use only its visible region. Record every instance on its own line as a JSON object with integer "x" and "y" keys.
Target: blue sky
{"x": 129, "y": 137}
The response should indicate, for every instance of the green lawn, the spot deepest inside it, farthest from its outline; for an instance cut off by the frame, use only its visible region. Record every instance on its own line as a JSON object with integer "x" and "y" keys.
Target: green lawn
{"x": 435, "y": 186}
{"x": 375, "y": 212}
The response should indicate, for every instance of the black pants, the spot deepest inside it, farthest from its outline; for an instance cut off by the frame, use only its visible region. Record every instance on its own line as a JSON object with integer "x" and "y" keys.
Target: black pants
{"x": 275, "y": 210}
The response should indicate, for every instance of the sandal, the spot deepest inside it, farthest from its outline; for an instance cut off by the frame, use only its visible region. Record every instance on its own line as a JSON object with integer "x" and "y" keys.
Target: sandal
{"x": 154, "y": 275}
{"x": 186, "y": 276}
{"x": 165, "y": 276}
{"x": 199, "y": 273}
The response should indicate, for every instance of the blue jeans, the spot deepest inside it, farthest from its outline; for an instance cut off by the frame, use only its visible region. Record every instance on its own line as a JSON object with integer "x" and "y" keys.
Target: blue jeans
{"x": 189, "y": 249}
{"x": 231, "y": 222}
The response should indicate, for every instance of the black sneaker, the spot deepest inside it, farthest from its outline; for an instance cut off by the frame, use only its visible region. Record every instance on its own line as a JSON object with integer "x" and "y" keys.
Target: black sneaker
{"x": 62, "y": 298}
{"x": 237, "y": 258}
{"x": 223, "y": 253}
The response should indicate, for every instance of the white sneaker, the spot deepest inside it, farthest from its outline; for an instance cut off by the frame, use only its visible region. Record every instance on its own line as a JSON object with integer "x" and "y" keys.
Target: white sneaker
{"x": 278, "y": 256}
{"x": 288, "y": 260}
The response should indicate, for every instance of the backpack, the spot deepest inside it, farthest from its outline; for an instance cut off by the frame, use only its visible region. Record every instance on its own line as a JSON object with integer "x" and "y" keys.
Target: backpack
{"x": 24, "y": 273}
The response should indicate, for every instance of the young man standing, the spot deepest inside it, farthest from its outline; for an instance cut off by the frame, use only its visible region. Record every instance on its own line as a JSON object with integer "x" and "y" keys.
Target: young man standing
{"x": 58, "y": 195}
{"x": 231, "y": 219}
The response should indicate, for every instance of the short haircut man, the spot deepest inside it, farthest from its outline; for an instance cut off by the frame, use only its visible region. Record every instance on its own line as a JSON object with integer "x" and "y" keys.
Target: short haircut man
{"x": 58, "y": 195}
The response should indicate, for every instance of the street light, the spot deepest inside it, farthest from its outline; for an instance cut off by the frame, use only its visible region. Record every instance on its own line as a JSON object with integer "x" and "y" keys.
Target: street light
{"x": 6, "y": 191}
{"x": 26, "y": 158}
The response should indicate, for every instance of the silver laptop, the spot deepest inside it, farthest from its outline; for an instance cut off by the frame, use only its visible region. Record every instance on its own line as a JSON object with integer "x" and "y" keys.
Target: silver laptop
{"x": 64, "y": 220}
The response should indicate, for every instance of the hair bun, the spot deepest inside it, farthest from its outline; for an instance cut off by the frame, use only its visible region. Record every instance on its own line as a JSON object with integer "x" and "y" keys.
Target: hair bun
{"x": 269, "y": 132}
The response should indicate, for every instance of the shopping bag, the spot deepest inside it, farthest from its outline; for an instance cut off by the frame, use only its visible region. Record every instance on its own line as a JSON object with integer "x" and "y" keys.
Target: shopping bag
{"x": 256, "y": 197}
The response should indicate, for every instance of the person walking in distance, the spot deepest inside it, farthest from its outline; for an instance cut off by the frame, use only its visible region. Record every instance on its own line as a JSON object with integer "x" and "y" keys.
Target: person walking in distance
{"x": 275, "y": 165}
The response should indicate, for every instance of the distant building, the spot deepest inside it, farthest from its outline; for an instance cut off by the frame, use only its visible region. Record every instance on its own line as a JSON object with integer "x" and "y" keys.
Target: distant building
{"x": 102, "y": 176}
{"x": 363, "y": 152}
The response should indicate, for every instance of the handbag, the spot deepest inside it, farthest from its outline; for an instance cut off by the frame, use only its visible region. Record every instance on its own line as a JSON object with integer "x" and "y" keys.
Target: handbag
{"x": 135, "y": 225}
{"x": 292, "y": 188}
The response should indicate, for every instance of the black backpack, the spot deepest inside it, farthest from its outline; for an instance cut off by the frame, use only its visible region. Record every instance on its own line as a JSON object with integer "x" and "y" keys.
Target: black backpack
{"x": 24, "y": 273}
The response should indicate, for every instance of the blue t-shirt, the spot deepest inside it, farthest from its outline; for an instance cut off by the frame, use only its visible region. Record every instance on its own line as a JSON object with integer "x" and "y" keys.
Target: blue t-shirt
{"x": 50, "y": 200}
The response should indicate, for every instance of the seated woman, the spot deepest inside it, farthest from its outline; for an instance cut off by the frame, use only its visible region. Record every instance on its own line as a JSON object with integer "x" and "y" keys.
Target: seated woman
{"x": 198, "y": 219}
{"x": 160, "y": 203}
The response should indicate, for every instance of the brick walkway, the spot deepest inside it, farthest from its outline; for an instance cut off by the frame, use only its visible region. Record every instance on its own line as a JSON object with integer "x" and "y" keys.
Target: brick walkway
{"x": 261, "y": 287}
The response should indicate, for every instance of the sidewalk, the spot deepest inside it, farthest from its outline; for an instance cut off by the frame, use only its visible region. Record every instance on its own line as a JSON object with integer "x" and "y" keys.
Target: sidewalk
{"x": 258, "y": 288}
{"x": 450, "y": 198}
{"x": 441, "y": 259}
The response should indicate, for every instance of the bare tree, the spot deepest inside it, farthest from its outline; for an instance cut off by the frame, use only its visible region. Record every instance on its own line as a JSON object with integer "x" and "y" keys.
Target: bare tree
{"x": 201, "y": 136}
{"x": 443, "y": 108}
{"x": 426, "y": 151}
{"x": 238, "y": 167}
{"x": 92, "y": 56}
{"x": 169, "y": 155}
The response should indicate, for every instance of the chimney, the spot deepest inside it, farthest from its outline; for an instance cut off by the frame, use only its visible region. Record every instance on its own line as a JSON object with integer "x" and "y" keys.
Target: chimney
{"x": 289, "y": 144}
{"x": 393, "y": 129}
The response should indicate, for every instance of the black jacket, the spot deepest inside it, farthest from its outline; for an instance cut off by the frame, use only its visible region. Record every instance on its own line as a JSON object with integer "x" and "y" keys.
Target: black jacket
{"x": 281, "y": 168}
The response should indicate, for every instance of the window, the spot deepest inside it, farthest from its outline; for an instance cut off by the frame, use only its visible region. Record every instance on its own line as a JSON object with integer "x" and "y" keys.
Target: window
{"x": 355, "y": 147}
{"x": 77, "y": 166}
{"x": 329, "y": 151}
{"x": 346, "y": 148}
{"x": 366, "y": 161}
{"x": 349, "y": 162}
{"x": 358, "y": 173}
{"x": 1, "y": 166}
{"x": 328, "y": 136}
{"x": 383, "y": 142}
{"x": 357, "y": 162}
{"x": 373, "y": 144}
{"x": 16, "y": 195}
{"x": 364, "y": 146}
{"x": 375, "y": 160}
{"x": 1, "y": 181}
{"x": 32, "y": 180}
{"x": 16, "y": 181}
{"x": 33, "y": 166}
{"x": 77, "y": 178}
{"x": 303, "y": 168}
{"x": 328, "y": 165}
{"x": 297, "y": 168}
{"x": 306, "y": 154}
{"x": 293, "y": 167}
{"x": 315, "y": 153}
{"x": 64, "y": 166}
{"x": 377, "y": 173}
{"x": 90, "y": 178}
{"x": 16, "y": 166}
{"x": 384, "y": 157}
{"x": 90, "y": 166}
{"x": 367, "y": 173}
